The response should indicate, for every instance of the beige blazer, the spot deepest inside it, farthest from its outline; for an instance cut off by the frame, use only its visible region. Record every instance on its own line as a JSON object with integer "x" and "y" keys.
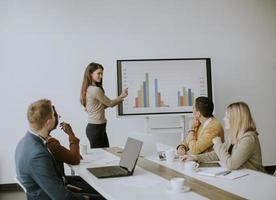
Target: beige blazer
{"x": 245, "y": 154}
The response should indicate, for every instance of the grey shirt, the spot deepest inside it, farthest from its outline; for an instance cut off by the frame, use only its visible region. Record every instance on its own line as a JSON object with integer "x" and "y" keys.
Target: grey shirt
{"x": 96, "y": 103}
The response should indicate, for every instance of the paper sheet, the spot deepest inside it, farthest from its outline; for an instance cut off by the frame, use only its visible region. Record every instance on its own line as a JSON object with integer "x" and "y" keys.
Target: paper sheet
{"x": 222, "y": 172}
{"x": 163, "y": 147}
{"x": 99, "y": 160}
{"x": 140, "y": 181}
{"x": 234, "y": 174}
{"x": 212, "y": 171}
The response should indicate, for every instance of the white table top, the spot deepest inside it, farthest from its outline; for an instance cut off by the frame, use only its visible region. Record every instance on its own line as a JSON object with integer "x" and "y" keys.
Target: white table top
{"x": 142, "y": 185}
{"x": 256, "y": 185}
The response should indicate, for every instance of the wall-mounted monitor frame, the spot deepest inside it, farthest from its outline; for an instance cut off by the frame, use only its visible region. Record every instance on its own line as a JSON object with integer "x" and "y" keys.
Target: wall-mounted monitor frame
{"x": 162, "y": 86}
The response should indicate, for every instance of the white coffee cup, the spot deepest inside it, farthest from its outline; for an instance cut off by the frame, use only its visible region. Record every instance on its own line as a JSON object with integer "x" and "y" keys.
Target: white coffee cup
{"x": 191, "y": 165}
{"x": 177, "y": 183}
{"x": 170, "y": 154}
{"x": 83, "y": 149}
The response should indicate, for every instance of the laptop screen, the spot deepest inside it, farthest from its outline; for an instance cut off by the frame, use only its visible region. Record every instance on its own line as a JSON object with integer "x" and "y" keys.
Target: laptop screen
{"x": 131, "y": 153}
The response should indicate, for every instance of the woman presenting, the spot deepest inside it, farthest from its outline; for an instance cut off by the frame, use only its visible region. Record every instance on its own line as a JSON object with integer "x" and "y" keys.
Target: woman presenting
{"x": 95, "y": 102}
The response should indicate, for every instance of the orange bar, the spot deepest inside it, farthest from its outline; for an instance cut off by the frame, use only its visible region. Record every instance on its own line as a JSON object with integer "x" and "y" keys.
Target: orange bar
{"x": 136, "y": 103}
{"x": 181, "y": 101}
{"x": 159, "y": 99}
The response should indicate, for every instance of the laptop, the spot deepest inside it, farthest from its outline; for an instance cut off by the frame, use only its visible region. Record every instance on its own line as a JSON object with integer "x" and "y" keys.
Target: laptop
{"x": 127, "y": 162}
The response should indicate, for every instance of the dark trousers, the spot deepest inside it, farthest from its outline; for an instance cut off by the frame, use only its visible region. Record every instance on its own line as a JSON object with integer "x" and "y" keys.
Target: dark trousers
{"x": 86, "y": 188}
{"x": 97, "y": 136}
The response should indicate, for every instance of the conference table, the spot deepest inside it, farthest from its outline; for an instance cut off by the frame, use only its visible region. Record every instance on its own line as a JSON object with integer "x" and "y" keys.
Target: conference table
{"x": 151, "y": 180}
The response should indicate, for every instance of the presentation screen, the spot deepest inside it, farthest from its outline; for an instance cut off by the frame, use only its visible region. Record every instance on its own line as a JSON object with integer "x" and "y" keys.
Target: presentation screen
{"x": 163, "y": 86}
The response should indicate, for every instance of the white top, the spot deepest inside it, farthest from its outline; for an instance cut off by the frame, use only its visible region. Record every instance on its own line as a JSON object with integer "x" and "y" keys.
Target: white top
{"x": 207, "y": 122}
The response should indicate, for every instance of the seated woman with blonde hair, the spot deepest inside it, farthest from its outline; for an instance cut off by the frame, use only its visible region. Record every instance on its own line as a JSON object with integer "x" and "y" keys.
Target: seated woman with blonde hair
{"x": 242, "y": 149}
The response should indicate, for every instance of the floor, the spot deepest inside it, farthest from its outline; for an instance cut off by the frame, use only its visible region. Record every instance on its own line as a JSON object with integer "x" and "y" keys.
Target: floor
{"x": 18, "y": 195}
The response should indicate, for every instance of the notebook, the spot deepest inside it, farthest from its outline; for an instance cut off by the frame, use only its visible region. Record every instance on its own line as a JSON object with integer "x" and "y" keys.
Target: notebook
{"x": 127, "y": 162}
{"x": 212, "y": 171}
{"x": 222, "y": 172}
{"x": 234, "y": 174}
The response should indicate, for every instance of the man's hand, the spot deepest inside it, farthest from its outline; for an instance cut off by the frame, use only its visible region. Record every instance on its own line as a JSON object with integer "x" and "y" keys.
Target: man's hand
{"x": 193, "y": 124}
{"x": 86, "y": 197}
{"x": 66, "y": 128}
{"x": 73, "y": 187}
{"x": 181, "y": 150}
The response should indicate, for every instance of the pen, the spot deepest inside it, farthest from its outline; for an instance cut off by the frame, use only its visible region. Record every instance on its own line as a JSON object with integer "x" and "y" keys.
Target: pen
{"x": 228, "y": 172}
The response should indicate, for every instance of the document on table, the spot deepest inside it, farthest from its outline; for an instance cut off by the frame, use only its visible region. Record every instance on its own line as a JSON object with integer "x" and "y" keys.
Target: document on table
{"x": 141, "y": 181}
{"x": 212, "y": 171}
{"x": 221, "y": 172}
{"x": 99, "y": 161}
{"x": 163, "y": 147}
{"x": 234, "y": 174}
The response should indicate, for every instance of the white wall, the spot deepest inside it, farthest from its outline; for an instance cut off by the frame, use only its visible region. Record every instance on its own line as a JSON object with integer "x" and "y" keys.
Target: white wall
{"x": 46, "y": 45}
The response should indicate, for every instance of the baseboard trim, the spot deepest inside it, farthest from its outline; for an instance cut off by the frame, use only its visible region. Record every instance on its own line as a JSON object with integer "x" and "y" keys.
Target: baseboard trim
{"x": 10, "y": 187}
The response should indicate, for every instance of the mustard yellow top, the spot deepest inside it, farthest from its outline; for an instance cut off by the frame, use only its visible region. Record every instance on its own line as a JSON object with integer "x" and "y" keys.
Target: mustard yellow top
{"x": 200, "y": 141}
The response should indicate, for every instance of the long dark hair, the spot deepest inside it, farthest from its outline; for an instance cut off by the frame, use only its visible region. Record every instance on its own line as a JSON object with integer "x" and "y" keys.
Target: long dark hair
{"x": 87, "y": 81}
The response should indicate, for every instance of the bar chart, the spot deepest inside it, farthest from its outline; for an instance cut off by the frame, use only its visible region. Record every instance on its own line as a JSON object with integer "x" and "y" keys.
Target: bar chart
{"x": 142, "y": 98}
{"x": 186, "y": 98}
{"x": 162, "y": 86}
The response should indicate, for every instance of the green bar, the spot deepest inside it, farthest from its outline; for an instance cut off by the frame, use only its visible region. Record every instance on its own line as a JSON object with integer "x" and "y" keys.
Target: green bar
{"x": 186, "y": 98}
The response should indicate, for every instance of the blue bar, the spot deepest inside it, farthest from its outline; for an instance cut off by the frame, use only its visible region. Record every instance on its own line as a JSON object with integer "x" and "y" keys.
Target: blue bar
{"x": 178, "y": 98}
{"x": 156, "y": 92}
{"x": 145, "y": 93}
{"x": 147, "y": 86}
{"x": 190, "y": 97}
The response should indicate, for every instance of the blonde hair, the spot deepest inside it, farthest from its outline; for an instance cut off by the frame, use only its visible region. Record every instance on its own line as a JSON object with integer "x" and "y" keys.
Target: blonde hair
{"x": 39, "y": 112}
{"x": 240, "y": 120}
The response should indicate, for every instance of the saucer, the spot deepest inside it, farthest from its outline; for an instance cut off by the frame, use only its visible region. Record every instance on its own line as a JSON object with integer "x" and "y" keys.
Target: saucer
{"x": 182, "y": 190}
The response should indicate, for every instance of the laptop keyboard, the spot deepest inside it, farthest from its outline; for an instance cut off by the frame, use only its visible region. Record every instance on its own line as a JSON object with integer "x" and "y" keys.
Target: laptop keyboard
{"x": 108, "y": 171}
{"x": 115, "y": 171}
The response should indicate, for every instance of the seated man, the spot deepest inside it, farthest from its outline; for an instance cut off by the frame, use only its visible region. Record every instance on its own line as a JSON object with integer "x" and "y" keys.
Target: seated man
{"x": 69, "y": 156}
{"x": 202, "y": 130}
{"x": 35, "y": 166}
